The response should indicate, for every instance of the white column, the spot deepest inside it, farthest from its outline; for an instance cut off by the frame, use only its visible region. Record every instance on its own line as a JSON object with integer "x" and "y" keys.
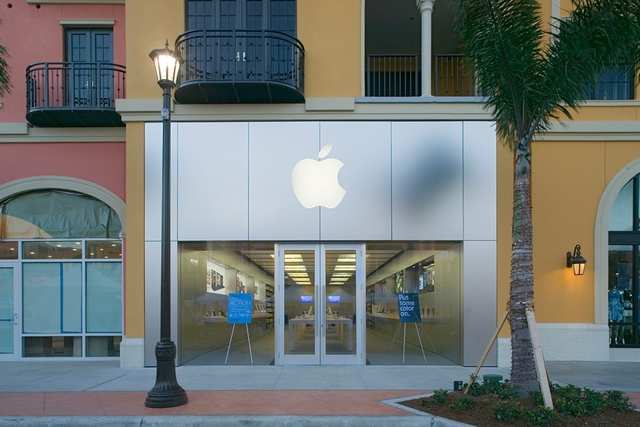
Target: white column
{"x": 426, "y": 7}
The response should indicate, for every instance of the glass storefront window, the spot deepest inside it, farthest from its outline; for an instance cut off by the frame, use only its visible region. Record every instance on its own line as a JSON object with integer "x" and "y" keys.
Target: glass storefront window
{"x": 52, "y": 346}
{"x": 624, "y": 267}
{"x": 432, "y": 271}
{"x": 104, "y": 297}
{"x": 209, "y": 272}
{"x": 103, "y": 346}
{"x": 52, "y": 250}
{"x": 340, "y": 302}
{"x": 104, "y": 249}
{"x": 52, "y": 292}
{"x": 8, "y": 250}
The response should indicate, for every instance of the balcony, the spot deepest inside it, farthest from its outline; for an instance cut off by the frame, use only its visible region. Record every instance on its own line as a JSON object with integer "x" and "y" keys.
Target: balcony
{"x": 74, "y": 94}
{"x": 400, "y": 76}
{"x": 240, "y": 67}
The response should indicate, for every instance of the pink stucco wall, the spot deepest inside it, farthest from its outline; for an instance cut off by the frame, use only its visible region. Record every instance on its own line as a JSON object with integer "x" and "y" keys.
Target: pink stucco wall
{"x": 100, "y": 162}
{"x": 34, "y": 34}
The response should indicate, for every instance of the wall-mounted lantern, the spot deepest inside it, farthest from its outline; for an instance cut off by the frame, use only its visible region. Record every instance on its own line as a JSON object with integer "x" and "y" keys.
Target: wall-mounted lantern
{"x": 577, "y": 261}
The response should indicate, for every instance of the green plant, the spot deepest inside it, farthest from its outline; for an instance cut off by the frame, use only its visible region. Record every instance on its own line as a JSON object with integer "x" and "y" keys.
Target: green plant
{"x": 541, "y": 417}
{"x": 618, "y": 401}
{"x": 507, "y": 392}
{"x": 594, "y": 402}
{"x": 440, "y": 397}
{"x": 463, "y": 403}
{"x": 530, "y": 78}
{"x": 508, "y": 412}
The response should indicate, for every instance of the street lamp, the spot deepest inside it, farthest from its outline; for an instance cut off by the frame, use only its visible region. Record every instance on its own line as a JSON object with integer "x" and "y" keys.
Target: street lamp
{"x": 166, "y": 392}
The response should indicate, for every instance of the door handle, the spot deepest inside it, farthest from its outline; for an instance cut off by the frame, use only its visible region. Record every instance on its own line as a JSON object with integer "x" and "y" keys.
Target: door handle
{"x": 15, "y": 318}
{"x": 238, "y": 56}
{"x": 244, "y": 56}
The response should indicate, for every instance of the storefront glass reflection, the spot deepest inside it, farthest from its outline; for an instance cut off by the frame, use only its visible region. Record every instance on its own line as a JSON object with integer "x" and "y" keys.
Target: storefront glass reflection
{"x": 432, "y": 271}
{"x": 209, "y": 272}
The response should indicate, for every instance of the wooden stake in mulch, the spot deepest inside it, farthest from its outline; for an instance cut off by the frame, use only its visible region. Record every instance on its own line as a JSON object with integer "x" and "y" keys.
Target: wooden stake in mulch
{"x": 543, "y": 378}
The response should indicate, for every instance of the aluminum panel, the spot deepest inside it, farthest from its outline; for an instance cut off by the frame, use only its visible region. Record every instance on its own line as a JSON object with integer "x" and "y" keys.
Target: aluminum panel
{"x": 274, "y": 150}
{"x": 479, "y": 181}
{"x": 427, "y": 180}
{"x": 365, "y": 210}
{"x": 479, "y": 300}
{"x": 213, "y": 181}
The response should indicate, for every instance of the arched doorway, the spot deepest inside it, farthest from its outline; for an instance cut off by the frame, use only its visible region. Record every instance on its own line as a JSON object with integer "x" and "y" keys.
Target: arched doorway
{"x": 61, "y": 282}
{"x": 617, "y": 263}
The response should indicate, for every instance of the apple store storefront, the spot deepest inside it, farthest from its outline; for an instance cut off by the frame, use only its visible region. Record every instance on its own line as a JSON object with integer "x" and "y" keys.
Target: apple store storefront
{"x": 361, "y": 242}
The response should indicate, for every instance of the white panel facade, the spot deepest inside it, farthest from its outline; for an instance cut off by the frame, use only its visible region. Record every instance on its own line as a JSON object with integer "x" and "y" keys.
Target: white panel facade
{"x": 274, "y": 150}
{"x": 153, "y": 181}
{"x": 427, "y": 180}
{"x": 365, "y": 211}
{"x": 479, "y": 300}
{"x": 213, "y": 184}
{"x": 479, "y": 181}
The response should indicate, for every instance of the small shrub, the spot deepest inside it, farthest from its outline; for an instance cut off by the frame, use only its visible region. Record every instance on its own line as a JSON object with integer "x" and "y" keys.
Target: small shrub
{"x": 541, "y": 417}
{"x": 618, "y": 401}
{"x": 507, "y": 392}
{"x": 594, "y": 402}
{"x": 537, "y": 398}
{"x": 507, "y": 412}
{"x": 475, "y": 389}
{"x": 463, "y": 403}
{"x": 440, "y": 396}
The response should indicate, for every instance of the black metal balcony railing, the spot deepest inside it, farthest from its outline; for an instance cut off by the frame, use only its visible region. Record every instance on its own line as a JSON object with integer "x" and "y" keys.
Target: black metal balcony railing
{"x": 400, "y": 75}
{"x": 74, "y": 93}
{"x": 240, "y": 66}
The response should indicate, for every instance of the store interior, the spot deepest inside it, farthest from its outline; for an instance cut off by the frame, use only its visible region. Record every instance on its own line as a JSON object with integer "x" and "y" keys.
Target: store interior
{"x": 210, "y": 271}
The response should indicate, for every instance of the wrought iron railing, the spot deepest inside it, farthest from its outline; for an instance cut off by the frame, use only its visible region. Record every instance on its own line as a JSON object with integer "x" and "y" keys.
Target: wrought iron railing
{"x": 392, "y": 75}
{"x": 400, "y": 75}
{"x": 453, "y": 75}
{"x": 74, "y": 85}
{"x": 241, "y": 56}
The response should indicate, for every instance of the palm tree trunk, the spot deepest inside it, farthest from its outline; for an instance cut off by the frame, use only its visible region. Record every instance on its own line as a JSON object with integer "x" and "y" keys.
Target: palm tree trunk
{"x": 523, "y": 370}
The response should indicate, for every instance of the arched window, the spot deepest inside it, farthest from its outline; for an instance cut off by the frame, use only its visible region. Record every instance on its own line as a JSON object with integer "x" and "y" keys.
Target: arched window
{"x": 56, "y": 214}
{"x": 624, "y": 267}
{"x": 66, "y": 248}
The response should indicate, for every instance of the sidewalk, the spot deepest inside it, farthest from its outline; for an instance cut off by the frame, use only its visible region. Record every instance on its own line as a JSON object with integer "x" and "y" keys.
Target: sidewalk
{"x": 252, "y": 396}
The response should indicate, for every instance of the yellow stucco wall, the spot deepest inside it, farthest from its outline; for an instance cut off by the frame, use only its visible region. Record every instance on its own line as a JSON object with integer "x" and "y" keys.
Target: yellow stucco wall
{"x": 331, "y": 33}
{"x": 134, "y": 239}
{"x": 148, "y": 27}
{"x": 567, "y": 184}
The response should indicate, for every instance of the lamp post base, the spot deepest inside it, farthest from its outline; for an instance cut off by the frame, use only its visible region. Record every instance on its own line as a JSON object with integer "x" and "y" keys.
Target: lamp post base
{"x": 166, "y": 393}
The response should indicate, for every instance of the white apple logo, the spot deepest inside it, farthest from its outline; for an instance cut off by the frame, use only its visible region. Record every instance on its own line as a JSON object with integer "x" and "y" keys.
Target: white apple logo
{"x": 315, "y": 182}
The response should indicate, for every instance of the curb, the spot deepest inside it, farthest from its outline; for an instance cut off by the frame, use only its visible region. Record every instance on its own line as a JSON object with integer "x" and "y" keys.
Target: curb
{"x": 232, "y": 421}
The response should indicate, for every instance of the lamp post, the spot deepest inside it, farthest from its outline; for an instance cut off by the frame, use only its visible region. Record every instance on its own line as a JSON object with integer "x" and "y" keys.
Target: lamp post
{"x": 166, "y": 392}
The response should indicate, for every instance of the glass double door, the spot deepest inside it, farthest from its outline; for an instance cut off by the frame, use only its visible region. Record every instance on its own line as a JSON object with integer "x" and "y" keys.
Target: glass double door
{"x": 320, "y": 304}
{"x": 9, "y": 334}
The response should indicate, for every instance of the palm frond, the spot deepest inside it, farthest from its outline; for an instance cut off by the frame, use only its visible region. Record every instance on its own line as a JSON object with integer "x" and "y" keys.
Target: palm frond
{"x": 598, "y": 34}
{"x": 5, "y": 85}
{"x": 503, "y": 39}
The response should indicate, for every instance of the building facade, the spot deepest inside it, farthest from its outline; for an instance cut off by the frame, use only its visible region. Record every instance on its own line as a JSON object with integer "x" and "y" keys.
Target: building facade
{"x": 331, "y": 159}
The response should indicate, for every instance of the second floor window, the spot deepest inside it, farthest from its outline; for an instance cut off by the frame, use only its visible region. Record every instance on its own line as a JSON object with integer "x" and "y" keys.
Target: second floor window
{"x": 275, "y": 15}
{"x": 615, "y": 83}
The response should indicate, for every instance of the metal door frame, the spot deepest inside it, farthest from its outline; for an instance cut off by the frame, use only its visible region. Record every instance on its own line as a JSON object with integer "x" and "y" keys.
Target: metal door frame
{"x": 320, "y": 357}
{"x": 17, "y": 309}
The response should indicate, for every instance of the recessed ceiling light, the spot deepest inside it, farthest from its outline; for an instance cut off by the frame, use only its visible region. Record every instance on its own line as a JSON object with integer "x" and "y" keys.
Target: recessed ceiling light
{"x": 298, "y": 275}
{"x": 345, "y": 268}
{"x": 295, "y": 268}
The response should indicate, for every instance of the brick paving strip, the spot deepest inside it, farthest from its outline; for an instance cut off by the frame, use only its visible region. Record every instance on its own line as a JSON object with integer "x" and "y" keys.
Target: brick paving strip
{"x": 233, "y": 402}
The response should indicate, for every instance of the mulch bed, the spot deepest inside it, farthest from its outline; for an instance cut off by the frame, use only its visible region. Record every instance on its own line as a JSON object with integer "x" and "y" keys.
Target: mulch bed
{"x": 482, "y": 413}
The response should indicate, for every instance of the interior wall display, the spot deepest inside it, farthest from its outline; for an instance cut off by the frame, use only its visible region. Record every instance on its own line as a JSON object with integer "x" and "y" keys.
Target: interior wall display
{"x": 427, "y": 278}
{"x": 215, "y": 280}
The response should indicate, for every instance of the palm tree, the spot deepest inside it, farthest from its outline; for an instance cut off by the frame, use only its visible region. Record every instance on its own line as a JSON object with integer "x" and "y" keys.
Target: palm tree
{"x": 4, "y": 72}
{"x": 532, "y": 78}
